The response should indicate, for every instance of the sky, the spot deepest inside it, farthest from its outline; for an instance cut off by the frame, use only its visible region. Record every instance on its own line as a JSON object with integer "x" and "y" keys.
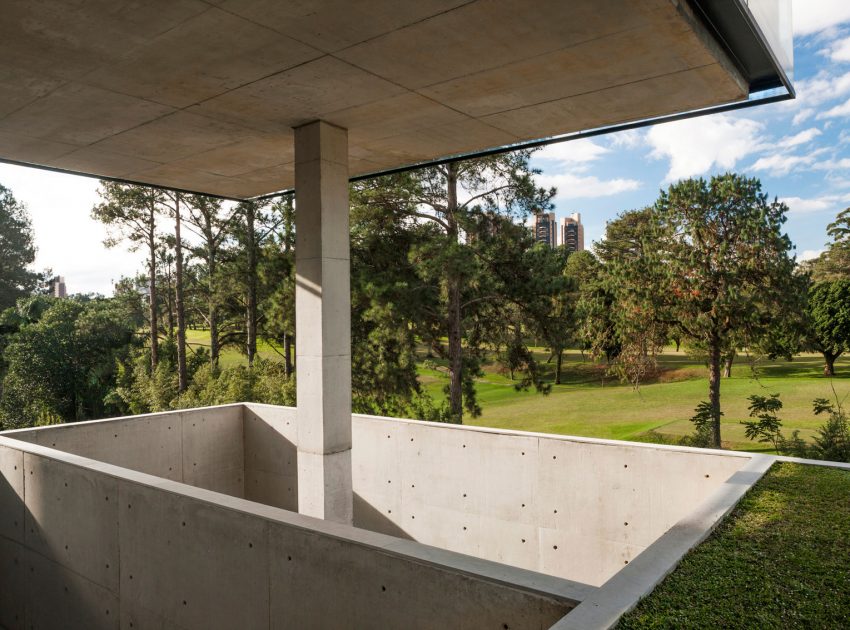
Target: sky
{"x": 799, "y": 149}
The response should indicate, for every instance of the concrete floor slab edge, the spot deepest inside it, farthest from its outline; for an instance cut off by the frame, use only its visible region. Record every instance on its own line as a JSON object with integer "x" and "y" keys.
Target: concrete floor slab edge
{"x": 622, "y": 592}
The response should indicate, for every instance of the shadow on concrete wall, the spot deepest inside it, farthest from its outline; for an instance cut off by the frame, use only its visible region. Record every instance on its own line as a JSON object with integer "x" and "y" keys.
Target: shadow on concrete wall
{"x": 368, "y": 517}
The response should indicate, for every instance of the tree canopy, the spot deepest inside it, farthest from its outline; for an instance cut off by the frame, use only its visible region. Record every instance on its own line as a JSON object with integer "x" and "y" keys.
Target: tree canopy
{"x": 17, "y": 250}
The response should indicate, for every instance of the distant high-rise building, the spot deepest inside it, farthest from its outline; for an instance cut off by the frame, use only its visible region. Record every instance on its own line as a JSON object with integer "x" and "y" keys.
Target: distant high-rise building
{"x": 572, "y": 232}
{"x": 546, "y": 228}
{"x": 57, "y": 287}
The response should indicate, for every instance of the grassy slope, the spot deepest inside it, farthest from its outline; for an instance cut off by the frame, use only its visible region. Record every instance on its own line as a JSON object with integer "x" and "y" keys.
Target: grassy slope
{"x": 583, "y": 405}
{"x": 231, "y": 356}
{"x": 590, "y": 405}
{"x": 781, "y": 560}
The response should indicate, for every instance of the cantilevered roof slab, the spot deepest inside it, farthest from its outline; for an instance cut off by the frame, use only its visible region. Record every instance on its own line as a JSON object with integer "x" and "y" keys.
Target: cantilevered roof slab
{"x": 203, "y": 96}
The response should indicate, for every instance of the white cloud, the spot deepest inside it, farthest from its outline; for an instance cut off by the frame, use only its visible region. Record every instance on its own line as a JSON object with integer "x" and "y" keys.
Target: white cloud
{"x": 812, "y": 93}
{"x": 696, "y": 145}
{"x": 573, "y": 154}
{"x": 571, "y": 186}
{"x": 799, "y": 205}
{"x": 832, "y": 165}
{"x": 809, "y": 254}
{"x": 797, "y": 139}
{"x": 779, "y": 165}
{"x": 837, "y": 112}
{"x": 839, "y": 50}
{"x": 811, "y": 16}
{"x": 803, "y": 115}
{"x": 628, "y": 139}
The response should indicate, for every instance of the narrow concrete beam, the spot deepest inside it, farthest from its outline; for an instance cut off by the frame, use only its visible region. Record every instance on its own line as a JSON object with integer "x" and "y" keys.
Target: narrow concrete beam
{"x": 323, "y": 322}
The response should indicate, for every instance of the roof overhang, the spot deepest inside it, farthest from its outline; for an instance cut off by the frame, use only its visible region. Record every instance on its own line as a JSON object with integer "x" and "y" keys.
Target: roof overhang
{"x": 202, "y": 96}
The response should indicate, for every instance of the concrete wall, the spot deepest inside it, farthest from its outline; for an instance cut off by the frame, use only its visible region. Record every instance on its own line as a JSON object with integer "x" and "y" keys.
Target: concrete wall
{"x": 85, "y": 544}
{"x": 200, "y": 447}
{"x": 580, "y": 509}
{"x": 271, "y": 466}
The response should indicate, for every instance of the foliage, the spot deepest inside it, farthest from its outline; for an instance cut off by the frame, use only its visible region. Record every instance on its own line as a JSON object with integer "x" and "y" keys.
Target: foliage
{"x": 264, "y": 382}
{"x": 458, "y": 264}
{"x": 828, "y": 319}
{"x": 710, "y": 263}
{"x": 61, "y": 362}
{"x": 766, "y": 427}
{"x": 17, "y": 251}
{"x": 831, "y": 442}
{"x": 778, "y": 561}
{"x": 702, "y": 420}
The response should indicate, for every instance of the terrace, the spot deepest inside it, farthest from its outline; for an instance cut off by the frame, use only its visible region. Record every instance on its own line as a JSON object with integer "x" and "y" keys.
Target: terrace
{"x": 256, "y": 516}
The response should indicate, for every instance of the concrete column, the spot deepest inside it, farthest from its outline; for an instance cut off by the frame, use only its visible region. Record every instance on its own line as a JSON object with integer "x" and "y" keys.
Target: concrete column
{"x": 323, "y": 322}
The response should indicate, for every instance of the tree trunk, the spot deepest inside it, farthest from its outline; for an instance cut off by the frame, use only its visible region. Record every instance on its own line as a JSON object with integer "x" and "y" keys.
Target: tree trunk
{"x": 727, "y": 364}
{"x": 251, "y": 306}
{"x": 182, "y": 375}
{"x": 212, "y": 311}
{"x": 169, "y": 309}
{"x": 714, "y": 390}
{"x": 287, "y": 354}
{"x": 558, "y": 362}
{"x": 152, "y": 303}
{"x": 454, "y": 311}
{"x": 829, "y": 363}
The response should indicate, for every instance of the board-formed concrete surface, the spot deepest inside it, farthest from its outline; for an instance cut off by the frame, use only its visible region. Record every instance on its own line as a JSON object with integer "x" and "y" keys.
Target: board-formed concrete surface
{"x": 203, "y": 96}
{"x": 102, "y": 546}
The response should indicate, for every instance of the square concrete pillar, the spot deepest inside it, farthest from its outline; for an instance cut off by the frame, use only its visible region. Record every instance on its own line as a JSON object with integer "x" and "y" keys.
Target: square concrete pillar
{"x": 323, "y": 322}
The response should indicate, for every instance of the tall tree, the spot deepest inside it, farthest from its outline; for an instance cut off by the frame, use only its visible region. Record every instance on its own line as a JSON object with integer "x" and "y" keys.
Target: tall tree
{"x": 17, "y": 251}
{"x": 829, "y": 321}
{"x": 255, "y": 222}
{"x": 834, "y": 262}
{"x": 450, "y": 197}
{"x": 207, "y": 218}
{"x": 130, "y": 213}
{"x": 277, "y": 274}
{"x": 171, "y": 204}
{"x": 726, "y": 269}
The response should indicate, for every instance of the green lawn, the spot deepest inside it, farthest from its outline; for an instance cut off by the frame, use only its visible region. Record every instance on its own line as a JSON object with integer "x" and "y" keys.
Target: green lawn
{"x": 780, "y": 560}
{"x": 232, "y": 356}
{"x": 594, "y": 405}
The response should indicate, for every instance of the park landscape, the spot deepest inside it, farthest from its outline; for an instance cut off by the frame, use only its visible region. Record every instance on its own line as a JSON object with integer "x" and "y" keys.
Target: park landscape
{"x": 591, "y": 403}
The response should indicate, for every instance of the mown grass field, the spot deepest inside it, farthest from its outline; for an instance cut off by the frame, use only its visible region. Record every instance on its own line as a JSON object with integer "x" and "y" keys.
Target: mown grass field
{"x": 591, "y": 404}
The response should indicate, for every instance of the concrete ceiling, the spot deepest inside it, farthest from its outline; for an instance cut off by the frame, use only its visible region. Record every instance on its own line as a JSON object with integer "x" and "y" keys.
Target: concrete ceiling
{"x": 203, "y": 96}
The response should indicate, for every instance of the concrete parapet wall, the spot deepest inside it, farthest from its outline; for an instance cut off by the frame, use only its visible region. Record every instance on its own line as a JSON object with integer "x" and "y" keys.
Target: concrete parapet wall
{"x": 576, "y": 508}
{"x": 86, "y": 544}
{"x": 200, "y": 447}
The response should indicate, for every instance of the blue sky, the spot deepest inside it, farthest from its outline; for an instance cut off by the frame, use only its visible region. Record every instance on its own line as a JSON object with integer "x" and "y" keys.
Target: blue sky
{"x": 800, "y": 150}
